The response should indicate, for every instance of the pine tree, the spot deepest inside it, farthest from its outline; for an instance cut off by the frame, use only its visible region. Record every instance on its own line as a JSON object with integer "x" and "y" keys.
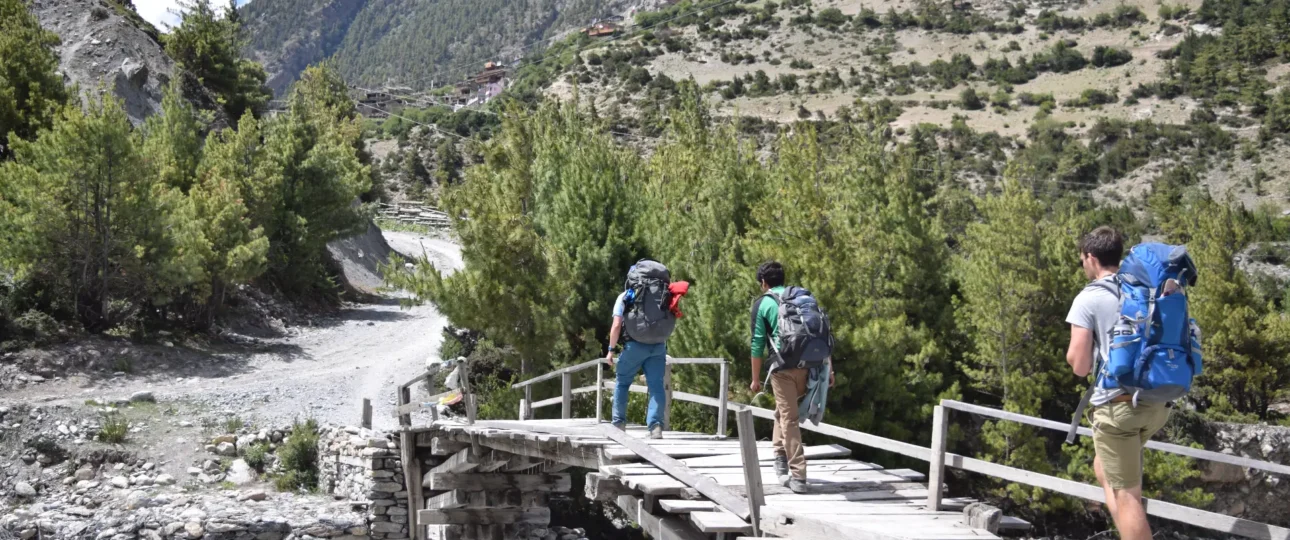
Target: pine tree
{"x": 1017, "y": 276}
{"x": 207, "y": 47}
{"x": 31, "y": 90}
{"x": 173, "y": 140}
{"x": 82, "y": 216}
{"x": 506, "y": 290}
{"x": 1246, "y": 342}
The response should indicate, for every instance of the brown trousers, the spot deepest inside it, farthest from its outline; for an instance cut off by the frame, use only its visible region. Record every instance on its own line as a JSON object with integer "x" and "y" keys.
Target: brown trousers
{"x": 789, "y": 385}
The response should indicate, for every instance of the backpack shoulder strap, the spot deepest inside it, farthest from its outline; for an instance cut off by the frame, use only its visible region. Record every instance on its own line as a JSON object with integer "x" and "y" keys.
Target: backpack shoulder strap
{"x": 1112, "y": 286}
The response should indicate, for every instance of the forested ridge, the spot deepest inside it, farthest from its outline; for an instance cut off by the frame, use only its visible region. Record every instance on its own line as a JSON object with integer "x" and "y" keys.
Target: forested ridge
{"x": 406, "y": 42}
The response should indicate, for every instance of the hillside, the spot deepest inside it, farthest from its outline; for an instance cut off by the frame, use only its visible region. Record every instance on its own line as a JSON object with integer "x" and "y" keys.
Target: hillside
{"x": 406, "y": 42}
{"x": 106, "y": 46}
{"x": 1145, "y": 86}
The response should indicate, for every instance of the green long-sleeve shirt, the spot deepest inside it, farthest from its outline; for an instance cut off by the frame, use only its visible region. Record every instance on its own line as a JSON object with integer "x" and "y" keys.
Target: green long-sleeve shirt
{"x": 765, "y": 322}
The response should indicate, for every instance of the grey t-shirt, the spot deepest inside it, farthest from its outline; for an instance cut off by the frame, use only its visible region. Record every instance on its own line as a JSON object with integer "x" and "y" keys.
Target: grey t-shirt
{"x": 1097, "y": 308}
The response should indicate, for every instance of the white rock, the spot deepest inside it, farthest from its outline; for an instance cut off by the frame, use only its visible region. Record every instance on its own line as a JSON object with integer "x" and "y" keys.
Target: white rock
{"x": 194, "y": 471}
{"x": 24, "y": 489}
{"x": 118, "y": 466}
{"x": 120, "y": 482}
{"x": 149, "y": 466}
{"x": 253, "y": 496}
{"x": 136, "y": 499}
{"x": 240, "y": 473}
{"x": 143, "y": 395}
{"x": 194, "y": 529}
{"x": 226, "y": 449}
{"x": 164, "y": 479}
{"x": 84, "y": 473}
{"x": 185, "y": 423}
{"x": 193, "y": 514}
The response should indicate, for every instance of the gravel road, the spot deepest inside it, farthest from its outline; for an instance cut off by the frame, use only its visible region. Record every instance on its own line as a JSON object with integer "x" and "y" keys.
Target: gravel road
{"x": 319, "y": 372}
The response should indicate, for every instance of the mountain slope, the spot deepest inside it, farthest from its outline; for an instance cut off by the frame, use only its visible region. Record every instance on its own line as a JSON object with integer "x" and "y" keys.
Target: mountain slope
{"x": 409, "y": 42}
{"x": 289, "y": 35}
{"x": 108, "y": 47}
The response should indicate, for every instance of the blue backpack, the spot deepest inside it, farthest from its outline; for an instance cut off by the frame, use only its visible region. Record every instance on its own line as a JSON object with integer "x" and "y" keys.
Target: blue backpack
{"x": 1155, "y": 346}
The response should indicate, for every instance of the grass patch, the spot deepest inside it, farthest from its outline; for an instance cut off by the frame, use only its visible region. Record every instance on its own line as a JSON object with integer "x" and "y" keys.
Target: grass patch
{"x": 233, "y": 424}
{"x": 227, "y": 485}
{"x": 399, "y": 226}
{"x": 115, "y": 428}
{"x": 298, "y": 456}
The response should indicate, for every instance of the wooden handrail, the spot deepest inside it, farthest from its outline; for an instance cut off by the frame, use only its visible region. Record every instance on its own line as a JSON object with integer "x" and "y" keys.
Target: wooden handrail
{"x": 1154, "y": 445}
{"x": 554, "y": 374}
{"x": 1171, "y": 511}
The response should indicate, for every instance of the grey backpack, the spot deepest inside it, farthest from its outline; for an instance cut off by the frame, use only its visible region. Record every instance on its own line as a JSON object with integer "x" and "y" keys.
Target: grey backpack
{"x": 646, "y": 318}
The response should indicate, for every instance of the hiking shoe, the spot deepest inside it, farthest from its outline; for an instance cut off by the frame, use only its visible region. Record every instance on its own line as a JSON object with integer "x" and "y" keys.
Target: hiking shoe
{"x": 656, "y": 432}
{"x": 781, "y": 466}
{"x": 622, "y": 426}
{"x": 798, "y": 485}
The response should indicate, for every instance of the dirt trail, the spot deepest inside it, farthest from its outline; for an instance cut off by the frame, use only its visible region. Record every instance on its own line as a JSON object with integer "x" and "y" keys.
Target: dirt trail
{"x": 321, "y": 372}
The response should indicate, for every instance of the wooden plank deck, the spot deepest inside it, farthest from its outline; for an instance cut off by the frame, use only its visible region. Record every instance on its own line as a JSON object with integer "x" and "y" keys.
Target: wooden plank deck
{"x": 847, "y": 498}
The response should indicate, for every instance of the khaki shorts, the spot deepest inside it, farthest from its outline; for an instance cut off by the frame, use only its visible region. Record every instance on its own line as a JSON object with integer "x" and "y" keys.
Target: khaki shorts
{"x": 1119, "y": 432}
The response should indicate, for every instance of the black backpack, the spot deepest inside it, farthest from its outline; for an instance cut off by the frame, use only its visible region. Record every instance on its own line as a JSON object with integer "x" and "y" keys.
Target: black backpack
{"x": 804, "y": 331}
{"x": 646, "y": 318}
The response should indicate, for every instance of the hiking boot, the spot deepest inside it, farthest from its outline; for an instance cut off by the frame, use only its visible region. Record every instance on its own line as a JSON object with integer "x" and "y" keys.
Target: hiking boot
{"x": 797, "y": 485}
{"x": 656, "y": 432}
{"x": 622, "y": 426}
{"x": 781, "y": 466}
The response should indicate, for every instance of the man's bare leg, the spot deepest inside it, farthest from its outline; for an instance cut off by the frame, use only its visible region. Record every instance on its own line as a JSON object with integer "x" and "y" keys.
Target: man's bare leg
{"x": 1101, "y": 479}
{"x": 1131, "y": 519}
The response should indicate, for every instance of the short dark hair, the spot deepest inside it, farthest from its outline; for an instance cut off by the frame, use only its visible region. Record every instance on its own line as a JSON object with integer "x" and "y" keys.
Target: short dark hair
{"x": 1105, "y": 244}
{"x": 772, "y": 273}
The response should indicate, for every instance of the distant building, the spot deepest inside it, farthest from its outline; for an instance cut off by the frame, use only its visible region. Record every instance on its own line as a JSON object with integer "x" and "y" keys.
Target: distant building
{"x": 602, "y": 29}
{"x": 482, "y": 86}
{"x": 380, "y": 103}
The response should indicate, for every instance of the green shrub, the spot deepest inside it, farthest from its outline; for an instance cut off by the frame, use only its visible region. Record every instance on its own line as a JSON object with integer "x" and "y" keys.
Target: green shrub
{"x": 257, "y": 456}
{"x": 115, "y": 428}
{"x": 233, "y": 424}
{"x": 299, "y": 458}
{"x": 968, "y": 99}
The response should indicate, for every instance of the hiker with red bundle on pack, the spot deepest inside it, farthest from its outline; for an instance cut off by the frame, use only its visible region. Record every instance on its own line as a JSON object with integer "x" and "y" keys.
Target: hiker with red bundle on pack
{"x": 646, "y": 315}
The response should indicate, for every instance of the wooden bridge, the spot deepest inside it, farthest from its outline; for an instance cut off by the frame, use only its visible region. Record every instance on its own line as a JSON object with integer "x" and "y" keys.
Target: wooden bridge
{"x": 493, "y": 479}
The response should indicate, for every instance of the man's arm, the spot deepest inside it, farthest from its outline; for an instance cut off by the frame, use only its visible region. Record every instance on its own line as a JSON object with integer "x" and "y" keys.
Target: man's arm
{"x": 760, "y": 342}
{"x": 615, "y": 331}
{"x": 1080, "y": 352}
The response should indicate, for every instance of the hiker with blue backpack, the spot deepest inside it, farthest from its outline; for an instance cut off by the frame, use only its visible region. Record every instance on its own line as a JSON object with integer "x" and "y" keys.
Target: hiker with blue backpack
{"x": 789, "y": 322}
{"x": 645, "y": 314}
{"x": 1131, "y": 330}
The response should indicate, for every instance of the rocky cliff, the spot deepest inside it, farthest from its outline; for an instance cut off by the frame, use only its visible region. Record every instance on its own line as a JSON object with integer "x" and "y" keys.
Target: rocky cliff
{"x": 107, "y": 47}
{"x": 1249, "y": 493}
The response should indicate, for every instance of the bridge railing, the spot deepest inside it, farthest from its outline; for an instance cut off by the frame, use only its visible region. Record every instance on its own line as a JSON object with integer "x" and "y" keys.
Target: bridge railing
{"x": 567, "y": 391}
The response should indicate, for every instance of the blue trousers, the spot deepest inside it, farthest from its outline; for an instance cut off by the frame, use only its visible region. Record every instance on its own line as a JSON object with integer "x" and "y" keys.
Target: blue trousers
{"x": 635, "y": 357}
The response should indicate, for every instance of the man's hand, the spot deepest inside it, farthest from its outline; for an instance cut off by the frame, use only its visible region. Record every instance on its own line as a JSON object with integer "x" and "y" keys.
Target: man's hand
{"x": 831, "y": 379}
{"x": 610, "y": 358}
{"x": 755, "y": 386}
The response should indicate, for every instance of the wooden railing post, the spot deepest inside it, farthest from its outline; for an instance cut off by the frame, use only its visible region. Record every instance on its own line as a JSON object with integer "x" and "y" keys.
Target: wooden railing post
{"x": 405, "y": 397}
{"x": 722, "y": 398}
{"x": 566, "y": 393}
{"x": 600, "y": 385}
{"x": 936, "y": 472}
{"x": 367, "y": 414}
{"x": 752, "y": 468}
{"x": 430, "y": 389}
{"x": 526, "y": 406}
